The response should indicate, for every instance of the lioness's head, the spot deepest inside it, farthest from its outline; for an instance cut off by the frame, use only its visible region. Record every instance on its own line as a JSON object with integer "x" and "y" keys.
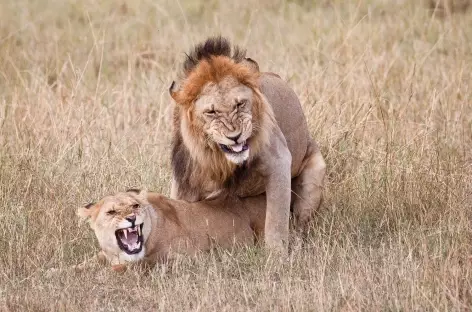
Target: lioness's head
{"x": 221, "y": 106}
{"x": 121, "y": 225}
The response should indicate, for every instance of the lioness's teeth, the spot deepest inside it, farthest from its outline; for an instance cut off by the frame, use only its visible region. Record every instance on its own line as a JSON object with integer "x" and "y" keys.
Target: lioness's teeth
{"x": 139, "y": 230}
{"x": 126, "y": 233}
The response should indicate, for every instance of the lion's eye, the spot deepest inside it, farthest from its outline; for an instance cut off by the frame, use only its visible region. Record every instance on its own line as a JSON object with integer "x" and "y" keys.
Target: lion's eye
{"x": 135, "y": 206}
{"x": 241, "y": 103}
{"x": 210, "y": 112}
{"x": 111, "y": 212}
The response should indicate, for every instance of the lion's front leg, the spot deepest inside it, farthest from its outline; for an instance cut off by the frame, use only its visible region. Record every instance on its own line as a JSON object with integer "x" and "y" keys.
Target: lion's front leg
{"x": 278, "y": 192}
{"x": 174, "y": 189}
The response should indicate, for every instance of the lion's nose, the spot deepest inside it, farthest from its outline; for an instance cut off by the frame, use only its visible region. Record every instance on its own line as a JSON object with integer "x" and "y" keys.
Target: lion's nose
{"x": 131, "y": 218}
{"x": 234, "y": 137}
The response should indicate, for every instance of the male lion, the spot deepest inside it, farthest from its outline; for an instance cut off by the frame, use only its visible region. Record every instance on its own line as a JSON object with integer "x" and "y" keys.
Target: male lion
{"x": 137, "y": 226}
{"x": 240, "y": 131}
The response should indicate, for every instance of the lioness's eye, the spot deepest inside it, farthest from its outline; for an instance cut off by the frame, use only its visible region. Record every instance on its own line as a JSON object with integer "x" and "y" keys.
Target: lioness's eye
{"x": 135, "y": 206}
{"x": 111, "y": 212}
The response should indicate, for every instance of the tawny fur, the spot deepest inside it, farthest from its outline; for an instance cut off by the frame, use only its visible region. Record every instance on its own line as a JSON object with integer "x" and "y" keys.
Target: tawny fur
{"x": 175, "y": 226}
{"x": 207, "y": 161}
{"x": 280, "y": 147}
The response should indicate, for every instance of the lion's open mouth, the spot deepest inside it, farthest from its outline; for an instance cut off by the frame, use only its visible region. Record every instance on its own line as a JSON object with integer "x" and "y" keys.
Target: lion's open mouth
{"x": 130, "y": 240}
{"x": 235, "y": 148}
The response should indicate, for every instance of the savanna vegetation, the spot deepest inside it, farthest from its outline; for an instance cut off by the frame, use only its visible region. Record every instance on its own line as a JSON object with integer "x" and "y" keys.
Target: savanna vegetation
{"x": 386, "y": 88}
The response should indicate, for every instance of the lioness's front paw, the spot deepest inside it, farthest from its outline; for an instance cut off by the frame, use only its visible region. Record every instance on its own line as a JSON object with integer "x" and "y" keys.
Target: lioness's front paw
{"x": 120, "y": 268}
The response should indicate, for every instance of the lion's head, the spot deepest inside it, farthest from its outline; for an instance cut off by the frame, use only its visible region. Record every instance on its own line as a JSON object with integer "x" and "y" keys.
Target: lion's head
{"x": 222, "y": 116}
{"x": 121, "y": 225}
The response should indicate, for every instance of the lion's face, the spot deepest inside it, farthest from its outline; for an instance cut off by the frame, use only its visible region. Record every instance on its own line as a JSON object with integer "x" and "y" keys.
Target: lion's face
{"x": 121, "y": 226}
{"x": 224, "y": 112}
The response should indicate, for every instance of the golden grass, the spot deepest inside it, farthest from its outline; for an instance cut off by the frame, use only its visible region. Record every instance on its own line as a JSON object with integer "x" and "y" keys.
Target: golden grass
{"x": 386, "y": 86}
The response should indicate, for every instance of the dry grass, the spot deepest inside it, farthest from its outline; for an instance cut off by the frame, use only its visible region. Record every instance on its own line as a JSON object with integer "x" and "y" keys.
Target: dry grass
{"x": 386, "y": 88}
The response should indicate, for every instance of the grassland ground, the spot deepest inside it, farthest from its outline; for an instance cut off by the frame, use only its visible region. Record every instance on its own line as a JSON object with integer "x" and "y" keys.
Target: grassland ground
{"x": 386, "y": 88}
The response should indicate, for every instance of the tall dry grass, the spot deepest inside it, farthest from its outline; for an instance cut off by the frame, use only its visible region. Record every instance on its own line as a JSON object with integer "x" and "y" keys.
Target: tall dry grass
{"x": 386, "y": 87}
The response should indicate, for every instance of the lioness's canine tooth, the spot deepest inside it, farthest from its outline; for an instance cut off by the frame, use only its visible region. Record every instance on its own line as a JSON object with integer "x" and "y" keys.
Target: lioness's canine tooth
{"x": 126, "y": 233}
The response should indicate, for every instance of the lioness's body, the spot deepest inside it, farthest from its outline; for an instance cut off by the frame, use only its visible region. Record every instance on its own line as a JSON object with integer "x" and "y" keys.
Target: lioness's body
{"x": 200, "y": 226}
{"x": 174, "y": 226}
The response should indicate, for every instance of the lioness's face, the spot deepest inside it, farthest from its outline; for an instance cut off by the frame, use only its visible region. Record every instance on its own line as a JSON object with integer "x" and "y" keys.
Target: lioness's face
{"x": 121, "y": 226}
{"x": 224, "y": 110}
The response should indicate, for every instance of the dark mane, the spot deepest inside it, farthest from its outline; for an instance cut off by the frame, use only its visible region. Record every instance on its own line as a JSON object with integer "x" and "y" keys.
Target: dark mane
{"x": 213, "y": 46}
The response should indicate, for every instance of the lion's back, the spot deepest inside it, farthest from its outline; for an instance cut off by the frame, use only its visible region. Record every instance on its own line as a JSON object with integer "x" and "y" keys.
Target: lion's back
{"x": 289, "y": 115}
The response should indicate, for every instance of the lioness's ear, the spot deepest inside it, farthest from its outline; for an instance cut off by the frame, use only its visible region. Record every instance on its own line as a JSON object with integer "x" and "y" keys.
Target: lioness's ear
{"x": 251, "y": 64}
{"x": 142, "y": 196}
{"x": 85, "y": 212}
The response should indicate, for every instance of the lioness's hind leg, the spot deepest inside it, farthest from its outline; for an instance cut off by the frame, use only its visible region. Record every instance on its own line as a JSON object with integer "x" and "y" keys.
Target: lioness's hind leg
{"x": 307, "y": 188}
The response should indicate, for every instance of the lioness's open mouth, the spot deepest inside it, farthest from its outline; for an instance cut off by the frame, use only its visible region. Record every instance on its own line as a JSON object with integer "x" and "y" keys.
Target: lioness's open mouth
{"x": 235, "y": 148}
{"x": 130, "y": 240}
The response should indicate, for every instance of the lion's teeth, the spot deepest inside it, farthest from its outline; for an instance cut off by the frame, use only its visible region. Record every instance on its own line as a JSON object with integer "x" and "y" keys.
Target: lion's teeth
{"x": 139, "y": 230}
{"x": 126, "y": 233}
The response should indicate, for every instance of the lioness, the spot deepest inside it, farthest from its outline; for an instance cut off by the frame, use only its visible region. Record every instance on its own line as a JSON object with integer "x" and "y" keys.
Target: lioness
{"x": 240, "y": 131}
{"x": 146, "y": 227}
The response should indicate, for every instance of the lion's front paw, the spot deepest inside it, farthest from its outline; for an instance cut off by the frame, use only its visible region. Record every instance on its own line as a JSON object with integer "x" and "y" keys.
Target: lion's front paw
{"x": 276, "y": 245}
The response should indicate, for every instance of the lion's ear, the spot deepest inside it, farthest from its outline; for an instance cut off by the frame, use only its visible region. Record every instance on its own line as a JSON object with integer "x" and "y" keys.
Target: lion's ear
{"x": 173, "y": 90}
{"x": 251, "y": 64}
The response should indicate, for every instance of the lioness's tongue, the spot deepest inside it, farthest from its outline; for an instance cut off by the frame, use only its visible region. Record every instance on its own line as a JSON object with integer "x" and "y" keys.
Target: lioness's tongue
{"x": 130, "y": 239}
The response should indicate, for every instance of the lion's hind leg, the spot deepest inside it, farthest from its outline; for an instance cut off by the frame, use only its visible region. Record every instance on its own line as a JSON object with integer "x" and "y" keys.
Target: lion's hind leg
{"x": 307, "y": 188}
